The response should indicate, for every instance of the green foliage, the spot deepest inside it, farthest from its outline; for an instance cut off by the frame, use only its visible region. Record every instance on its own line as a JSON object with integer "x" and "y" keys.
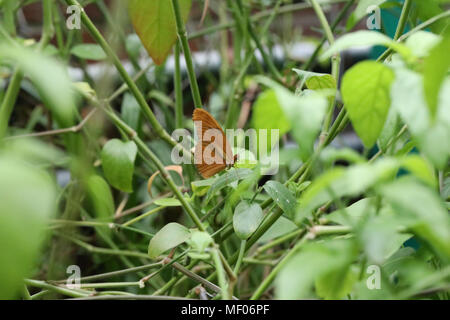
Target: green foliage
{"x": 154, "y": 22}
{"x": 365, "y": 91}
{"x": 338, "y": 217}
{"x": 246, "y": 219}
{"x": 118, "y": 163}
{"x": 170, "y": 236}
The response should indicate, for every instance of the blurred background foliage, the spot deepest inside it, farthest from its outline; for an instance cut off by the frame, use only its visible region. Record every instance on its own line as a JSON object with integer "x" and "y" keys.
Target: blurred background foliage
{"x": 357, "y": 210}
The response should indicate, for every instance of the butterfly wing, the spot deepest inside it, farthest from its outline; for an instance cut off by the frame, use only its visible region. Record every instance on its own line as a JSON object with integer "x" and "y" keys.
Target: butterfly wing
{"x": 203, "y": 122}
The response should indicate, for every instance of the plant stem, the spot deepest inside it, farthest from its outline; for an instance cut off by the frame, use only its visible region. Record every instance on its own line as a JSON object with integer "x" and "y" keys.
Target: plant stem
{"x": 125, "y": 76}
{"x": 142, "y": 216}
{"x": 150, "y": 155}
{"x": 267, "y": 59}
{"x": 269, "y": 279}
{"x": 9, "y": 101}
{"x": 403, "y": 19}
{"x": 116, "y": 273}
{"x": 182, "y": 35}
{"x": 179, "y": 114}
{"x": 220, "y": 273}
{"x": 240, "y": 257}
{"x": 57, "y": 289}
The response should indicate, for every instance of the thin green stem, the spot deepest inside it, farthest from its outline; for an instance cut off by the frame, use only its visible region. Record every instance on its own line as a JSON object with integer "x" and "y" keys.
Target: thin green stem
{"x": 240, "y": 257}
{"x": 182, "y": 35}
{"x": 269, "y": 279}
{"x": 220, "y": 273}
{"x": 403, "y": 19}
{"x": 125, "y": 76}
{"x": 179, "y": 114}
{"x": 142, "y": 216}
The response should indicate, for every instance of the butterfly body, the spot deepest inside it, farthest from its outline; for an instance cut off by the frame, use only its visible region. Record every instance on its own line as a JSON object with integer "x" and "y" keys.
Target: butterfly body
{"x": 212, "y": 152}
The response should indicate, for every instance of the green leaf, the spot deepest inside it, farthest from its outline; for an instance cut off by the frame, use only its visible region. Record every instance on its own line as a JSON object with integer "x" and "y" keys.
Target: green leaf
{"x": 422, "y": 42}
{"x": 312, "y": 262}
{"x": 201, "y": 187}
{"x": 199, "y": 241}
{"x": 366, "y": 94}
{"x": 408, "y": 99}
{"x": 436, "y": 67}
{"x": 118, "y": 163}
{"x": 354, "y": 180}
{"x": 380, "y": 238}
{"x": 100, "y": 197}
{"x": 246, "y": 219}
{"x": 282, "y": 196}
{"x": 336, "y": 284}
{"x": 168, "y": 202}
{"x": 88, "y": 51}
{"x": 305, "y": 113}
{"x": 131, "y": 112}
{"x": 366, "y": 38}
{"x": 423, "y": 210}
{"x": 316, "y": 81}
{"x": 325, "y": 81}
{"x": 353, "y": 213}
{"x": 429, "y": 9}
{"x": 281, "y": 227}
{"x": 50, "y": 79}
{"x": 28, "y": 200}
{"x": 170, "y": 236}
{"x": 267, "y": 113}
{"x": 232, "y": 175}
{"x": 154, "y": 22}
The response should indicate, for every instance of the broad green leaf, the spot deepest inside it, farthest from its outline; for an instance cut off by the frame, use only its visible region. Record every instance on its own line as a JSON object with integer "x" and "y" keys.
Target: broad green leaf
{"x": 131, "y": 112}
{"x": 353, "y": 213}
{"x": 365, "y": 38}
{"x": 199, "y": 240}
{"x": 170, "y": 236}
{"x": 422, "y": 42}
{"x": 281, "y": 227}
{"x": 312, "y": 262}
{"x": 267, "y": 113}
{"x": 354, "y": 180}
{"x": 408, "y": 99}
{"x": 100, "y": 197}
{"x": 380, "y": 237}
{"x": 436, "y": 68}
{"x": 427, "y": 10}
{"x": 28, "y": 201}
{"x": 231, "y": 176}
{"x": 316, "y": 81}
{"x": 390, "y": 129}
{"x": 305, "y": 113}
{"x": 282, "y": 196}
{"x": 366, "y": 94}
{"x": 118, "y": 163}
{"x": 201, "y": 187}
{"x": 88, "y": 51}
{"x": 336, "y": 284}
{"x": 325, "y": 81}
{"x": 49, "y": 78}
{"x": 168, "y": 202}
{"x": 424, "y": 211}
{"x": 246, "y": 219}
{"x": 154, "y": 22}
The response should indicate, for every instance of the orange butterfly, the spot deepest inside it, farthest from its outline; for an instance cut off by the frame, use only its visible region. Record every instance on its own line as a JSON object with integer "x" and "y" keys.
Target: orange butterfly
{"x": 212, "y": 152}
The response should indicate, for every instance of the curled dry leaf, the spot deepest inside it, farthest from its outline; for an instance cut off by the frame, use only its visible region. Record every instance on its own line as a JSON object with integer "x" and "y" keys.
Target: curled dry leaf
{"x": 177, "y": 169}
